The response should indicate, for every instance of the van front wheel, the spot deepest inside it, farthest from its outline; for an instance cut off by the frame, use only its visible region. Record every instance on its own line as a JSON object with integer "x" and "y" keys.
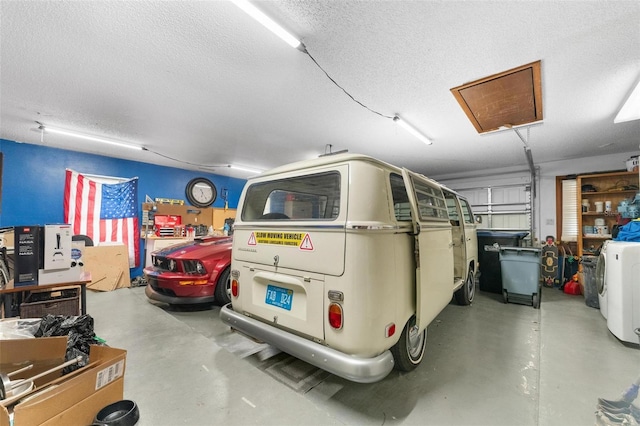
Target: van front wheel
{"x": 409, "y": 351}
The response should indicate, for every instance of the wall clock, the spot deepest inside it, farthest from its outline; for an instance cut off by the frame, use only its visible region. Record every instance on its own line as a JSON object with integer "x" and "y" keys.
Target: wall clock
{"x": 201, "y": 192}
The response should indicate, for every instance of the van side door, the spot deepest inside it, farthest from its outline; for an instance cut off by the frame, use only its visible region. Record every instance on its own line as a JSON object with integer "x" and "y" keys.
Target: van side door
{"x": 458, "y": 236}
{"x": 433, "y": 245}
{"x": 470, "y": 233}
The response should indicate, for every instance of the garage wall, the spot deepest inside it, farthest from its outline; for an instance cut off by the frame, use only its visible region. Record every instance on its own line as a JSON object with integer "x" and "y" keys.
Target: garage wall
{"x": 545, "y": 203}
{"x": 33, "y": 182}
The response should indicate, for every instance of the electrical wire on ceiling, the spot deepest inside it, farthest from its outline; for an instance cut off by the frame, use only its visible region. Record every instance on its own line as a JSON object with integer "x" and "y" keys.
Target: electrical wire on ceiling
{"x": 304, "y": 49}
{"x": 396, "y": 119}
{"x": 175, "y": 159}
{"x": 208, "y": 167}
{"x": 250, "y": 9}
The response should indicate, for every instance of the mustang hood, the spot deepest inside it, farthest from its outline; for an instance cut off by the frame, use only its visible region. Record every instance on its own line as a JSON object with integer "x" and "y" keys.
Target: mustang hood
{"x": 196, "y": 249}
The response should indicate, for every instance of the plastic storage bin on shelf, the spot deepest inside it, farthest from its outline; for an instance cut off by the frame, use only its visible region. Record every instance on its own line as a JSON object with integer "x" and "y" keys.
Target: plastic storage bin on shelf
{"x": 589, "y": 274}
{"x": 490, "y": 275}
{"x": 521, "y": 275}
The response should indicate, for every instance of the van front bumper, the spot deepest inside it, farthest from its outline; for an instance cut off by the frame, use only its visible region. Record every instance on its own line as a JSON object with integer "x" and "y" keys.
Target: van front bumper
{"x": 361, "y": 370}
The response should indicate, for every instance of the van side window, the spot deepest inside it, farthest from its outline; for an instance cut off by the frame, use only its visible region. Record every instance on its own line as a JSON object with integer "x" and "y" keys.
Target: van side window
{"x": 401, "y": 207}
{"x": 452, "y": 207}
{"x": 466, "y": 211}
{"x": 431, "y": 204}
{"x": 311, "y": 197}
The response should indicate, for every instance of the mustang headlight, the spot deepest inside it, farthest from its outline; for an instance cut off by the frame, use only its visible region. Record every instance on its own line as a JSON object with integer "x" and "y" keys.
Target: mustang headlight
{"x": 193, "y": 267}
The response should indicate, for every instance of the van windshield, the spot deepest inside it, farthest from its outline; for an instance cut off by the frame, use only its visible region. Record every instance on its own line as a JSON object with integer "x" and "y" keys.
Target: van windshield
{"x": 311, "y": 197}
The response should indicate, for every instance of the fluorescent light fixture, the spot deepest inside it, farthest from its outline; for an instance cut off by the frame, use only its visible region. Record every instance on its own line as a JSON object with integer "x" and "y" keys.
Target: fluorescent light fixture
{"x": 244, "y": 169}
{"x": 631, "y": 108}
{"x": 409, "y": 128}
{"x": 49, "y": 129}
{"x": 259, "y": 16}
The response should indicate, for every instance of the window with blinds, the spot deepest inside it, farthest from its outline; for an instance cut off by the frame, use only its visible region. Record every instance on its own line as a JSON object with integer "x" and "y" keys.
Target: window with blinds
{"x": 569, "y": 210}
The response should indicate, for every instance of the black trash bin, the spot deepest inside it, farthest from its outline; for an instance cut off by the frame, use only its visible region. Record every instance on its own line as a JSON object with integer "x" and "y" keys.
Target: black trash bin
{"x": 489, "y": 256}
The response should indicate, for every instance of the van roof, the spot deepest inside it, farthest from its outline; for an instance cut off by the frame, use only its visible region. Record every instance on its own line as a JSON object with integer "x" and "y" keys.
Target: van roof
{"x": 325, "y": 160}
{"x": 335, "y": 159}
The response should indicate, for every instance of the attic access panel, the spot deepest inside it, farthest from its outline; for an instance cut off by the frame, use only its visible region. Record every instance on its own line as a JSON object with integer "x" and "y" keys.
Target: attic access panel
{"x": 510, "y": 98}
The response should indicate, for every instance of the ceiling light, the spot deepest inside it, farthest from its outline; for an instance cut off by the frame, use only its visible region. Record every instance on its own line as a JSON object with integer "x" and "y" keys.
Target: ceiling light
{"x": 409, "y": 128}
{"x": 49, "y": 129}
{"x": 244, "y": 169}
{"x": 257, "y": 14}
{"x": 631, "y": 108}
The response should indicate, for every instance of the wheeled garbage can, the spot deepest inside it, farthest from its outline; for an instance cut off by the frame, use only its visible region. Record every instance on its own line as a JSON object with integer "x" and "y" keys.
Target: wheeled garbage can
{"x": 490, "y": 275}
{"x": 521, "y": 275}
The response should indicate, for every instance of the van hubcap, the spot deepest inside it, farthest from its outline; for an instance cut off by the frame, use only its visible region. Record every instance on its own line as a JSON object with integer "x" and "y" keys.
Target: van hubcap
{"x": 414, "y": 342}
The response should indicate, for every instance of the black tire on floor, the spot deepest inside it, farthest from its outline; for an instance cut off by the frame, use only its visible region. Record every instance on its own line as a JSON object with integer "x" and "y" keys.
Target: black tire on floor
{"x": 222, "y": 292}
{"x": 465, "y": 294}
{"x": 409, "y": 351}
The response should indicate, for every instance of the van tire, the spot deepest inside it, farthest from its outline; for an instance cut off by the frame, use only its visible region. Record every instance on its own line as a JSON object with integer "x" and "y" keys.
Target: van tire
{"x": 409, "y": 350}
{"x": 465, "y": 294}
{"x": 222, "y": 292}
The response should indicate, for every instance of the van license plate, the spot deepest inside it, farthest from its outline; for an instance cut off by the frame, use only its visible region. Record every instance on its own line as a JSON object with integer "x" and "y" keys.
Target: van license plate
{"x": 280, "y": 297}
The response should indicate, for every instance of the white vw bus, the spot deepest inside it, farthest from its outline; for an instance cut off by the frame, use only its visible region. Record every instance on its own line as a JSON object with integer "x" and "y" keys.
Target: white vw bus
{"x": 344, "y": 260}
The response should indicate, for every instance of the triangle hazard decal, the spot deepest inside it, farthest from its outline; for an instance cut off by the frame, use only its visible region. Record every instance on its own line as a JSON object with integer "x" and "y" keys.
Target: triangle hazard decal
{"x": 252, "y": 240}
{"x": 306, "y": 243}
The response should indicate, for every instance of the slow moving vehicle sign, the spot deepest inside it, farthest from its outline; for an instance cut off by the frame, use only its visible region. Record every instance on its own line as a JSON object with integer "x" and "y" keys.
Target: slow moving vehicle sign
{"x": 301, "y": 240}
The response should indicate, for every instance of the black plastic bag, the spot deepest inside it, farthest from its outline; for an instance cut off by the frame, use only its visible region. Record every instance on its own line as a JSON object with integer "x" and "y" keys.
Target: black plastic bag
{"x": 79, "y": 332}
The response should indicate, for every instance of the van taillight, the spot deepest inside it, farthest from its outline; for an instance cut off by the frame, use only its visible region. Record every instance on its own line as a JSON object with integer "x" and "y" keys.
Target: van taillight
{"x": 234, "y": 288}
{"x": 335, "y": 315}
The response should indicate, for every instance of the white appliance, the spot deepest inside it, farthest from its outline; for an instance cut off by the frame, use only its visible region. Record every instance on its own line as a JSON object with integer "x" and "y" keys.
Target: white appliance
{"x": 601, "y": 282}
{"x": 623, "y": 289}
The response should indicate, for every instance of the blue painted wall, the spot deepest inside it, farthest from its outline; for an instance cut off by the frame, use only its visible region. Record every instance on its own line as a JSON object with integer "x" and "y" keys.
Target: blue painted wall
{"x": 33, "y": 183}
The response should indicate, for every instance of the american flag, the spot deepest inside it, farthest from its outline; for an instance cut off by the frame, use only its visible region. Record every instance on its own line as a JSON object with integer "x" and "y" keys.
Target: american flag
{"x": 106, "y": 212}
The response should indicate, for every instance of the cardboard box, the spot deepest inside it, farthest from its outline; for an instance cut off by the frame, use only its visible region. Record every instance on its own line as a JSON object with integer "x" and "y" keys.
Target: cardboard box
{"x": 84, "y": 412}
{"x": 43, "y": 353}
{"x": 56, "y": 276}
{"x": 55, "y": 247}
{"x": 27, "y": 255}
{"x": 56, "y": 399}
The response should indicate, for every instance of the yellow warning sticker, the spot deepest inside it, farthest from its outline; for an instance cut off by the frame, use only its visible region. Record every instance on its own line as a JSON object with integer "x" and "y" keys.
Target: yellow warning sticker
{"x": 293, "y": 239}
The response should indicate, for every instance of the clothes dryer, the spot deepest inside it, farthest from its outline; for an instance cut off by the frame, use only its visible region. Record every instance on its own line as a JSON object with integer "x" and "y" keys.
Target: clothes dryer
{"x": 623, "y": 289}
{"x": 601, "y": 282}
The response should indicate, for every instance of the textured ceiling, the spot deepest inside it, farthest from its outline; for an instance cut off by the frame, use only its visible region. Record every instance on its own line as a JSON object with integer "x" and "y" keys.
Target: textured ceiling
{"x": 203, "y": 83}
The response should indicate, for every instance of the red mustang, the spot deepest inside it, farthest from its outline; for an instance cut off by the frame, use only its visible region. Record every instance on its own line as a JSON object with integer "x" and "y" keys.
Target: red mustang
{"x": 193, "y": 272}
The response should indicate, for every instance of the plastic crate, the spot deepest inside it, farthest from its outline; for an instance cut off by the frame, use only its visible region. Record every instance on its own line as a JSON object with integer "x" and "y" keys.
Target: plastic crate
{"x": 37, "y": 305}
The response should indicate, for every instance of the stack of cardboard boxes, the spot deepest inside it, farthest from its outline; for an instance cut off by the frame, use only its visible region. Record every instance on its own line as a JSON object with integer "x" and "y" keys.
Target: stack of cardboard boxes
{"x": 71, "y": 399}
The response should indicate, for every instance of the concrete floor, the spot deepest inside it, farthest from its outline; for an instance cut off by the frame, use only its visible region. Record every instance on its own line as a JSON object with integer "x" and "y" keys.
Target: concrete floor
{"x": 488, "y": 364}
